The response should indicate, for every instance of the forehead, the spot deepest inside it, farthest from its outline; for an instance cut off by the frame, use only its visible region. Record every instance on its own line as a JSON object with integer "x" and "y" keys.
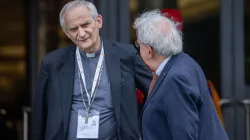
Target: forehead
{"x": 77, "y": 14}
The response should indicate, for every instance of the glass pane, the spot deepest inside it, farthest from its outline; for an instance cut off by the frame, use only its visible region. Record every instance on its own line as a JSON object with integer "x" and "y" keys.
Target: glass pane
{"x": 50, "y": 33}
{"x": 12, "y": 55}
{"x": 247, "y": 42}
{"x": 201, "y": 34}
{"x": 137, "y": 7}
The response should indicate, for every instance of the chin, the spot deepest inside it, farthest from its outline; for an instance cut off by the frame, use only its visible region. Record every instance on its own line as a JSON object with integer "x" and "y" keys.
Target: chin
{"x": 85, "y": 48}
{"x": 85, "y": 45}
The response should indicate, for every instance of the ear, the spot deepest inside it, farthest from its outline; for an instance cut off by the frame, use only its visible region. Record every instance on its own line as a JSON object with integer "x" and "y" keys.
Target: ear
{"x": 99, "y": 21}
{"x": 150, "y": 51}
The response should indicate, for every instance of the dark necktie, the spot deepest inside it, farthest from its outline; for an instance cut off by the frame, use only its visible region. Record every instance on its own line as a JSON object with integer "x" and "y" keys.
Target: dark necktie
{"x": 152, "y": 83}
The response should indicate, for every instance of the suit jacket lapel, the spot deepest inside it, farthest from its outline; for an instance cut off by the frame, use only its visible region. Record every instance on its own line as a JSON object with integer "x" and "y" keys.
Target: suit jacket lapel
{"x": 160, "y": 78}
{"x": 114, "y": 72}
{"x": 66, "y": 81}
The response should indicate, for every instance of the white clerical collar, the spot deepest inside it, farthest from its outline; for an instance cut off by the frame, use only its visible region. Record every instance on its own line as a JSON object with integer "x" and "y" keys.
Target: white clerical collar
{"x": 90, "y": 54}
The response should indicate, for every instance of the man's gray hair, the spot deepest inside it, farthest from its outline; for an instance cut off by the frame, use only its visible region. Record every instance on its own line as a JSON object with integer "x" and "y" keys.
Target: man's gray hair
{"x": 161, "y": 33}
{"x": 73, "y": 4}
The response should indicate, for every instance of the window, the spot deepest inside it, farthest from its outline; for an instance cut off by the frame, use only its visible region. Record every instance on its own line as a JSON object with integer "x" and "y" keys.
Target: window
{"x": 247, "y": 42}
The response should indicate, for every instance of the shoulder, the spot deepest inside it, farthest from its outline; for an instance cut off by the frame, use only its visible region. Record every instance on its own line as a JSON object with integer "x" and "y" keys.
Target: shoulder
{"x": 185, "y": 73}
{"x": 184, "y": 65}
{"x": 56, "y": 55}
{"x": 126, "y": 46}
{"x": 121, "y": 48}
{"x": 183, "y": 69}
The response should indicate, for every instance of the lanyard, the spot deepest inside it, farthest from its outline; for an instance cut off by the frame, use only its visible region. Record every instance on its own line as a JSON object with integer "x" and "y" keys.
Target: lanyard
{"x": 96, "y": 77}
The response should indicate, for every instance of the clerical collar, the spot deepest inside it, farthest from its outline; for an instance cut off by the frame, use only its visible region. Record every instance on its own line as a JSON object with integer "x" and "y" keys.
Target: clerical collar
{"x": 91, "y": 55}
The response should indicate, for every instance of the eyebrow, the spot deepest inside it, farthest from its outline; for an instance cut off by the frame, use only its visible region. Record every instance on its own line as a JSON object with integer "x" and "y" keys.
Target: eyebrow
{"x": 84, "y": 23}
{"x": 69, "y": 28}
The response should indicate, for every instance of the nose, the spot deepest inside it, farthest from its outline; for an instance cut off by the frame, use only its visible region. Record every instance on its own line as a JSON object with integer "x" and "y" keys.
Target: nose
{"x": 81, "y": 32}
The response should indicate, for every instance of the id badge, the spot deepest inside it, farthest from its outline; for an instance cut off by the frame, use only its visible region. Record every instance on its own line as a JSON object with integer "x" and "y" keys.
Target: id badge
{"x": 88, "y": 124}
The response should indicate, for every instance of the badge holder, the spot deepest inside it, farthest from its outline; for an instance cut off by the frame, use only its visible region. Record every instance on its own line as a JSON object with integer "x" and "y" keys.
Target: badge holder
{"x": 88, "y": 124}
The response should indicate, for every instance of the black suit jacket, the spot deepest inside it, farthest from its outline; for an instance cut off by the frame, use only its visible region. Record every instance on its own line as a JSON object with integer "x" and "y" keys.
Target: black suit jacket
{"x": 52, "y": 100}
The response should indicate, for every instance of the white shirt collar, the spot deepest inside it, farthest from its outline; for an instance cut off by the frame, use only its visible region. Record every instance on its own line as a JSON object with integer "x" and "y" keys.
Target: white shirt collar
{"x": 162, "y": 65}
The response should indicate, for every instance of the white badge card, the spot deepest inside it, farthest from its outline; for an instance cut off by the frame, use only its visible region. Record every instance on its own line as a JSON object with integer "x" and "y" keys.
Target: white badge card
{"x": 88, "y": 124}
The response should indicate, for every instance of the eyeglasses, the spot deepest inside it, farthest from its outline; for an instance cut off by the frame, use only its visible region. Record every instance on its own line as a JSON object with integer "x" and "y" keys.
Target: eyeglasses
{"x": 137, "y": 45}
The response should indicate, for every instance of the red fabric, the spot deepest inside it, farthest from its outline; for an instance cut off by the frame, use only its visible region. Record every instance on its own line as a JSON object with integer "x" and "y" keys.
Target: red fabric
{"x": 139, "y": 96}
{"x": 175, "y": 15}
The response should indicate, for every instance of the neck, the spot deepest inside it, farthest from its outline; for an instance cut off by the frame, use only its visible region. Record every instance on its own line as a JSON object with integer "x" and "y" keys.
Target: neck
{"x": 156, "y": 62}
{"x": 95, "y": 47}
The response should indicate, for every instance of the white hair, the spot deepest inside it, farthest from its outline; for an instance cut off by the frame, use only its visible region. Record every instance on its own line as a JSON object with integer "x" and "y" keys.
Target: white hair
{"x": 161, "y": 33}
{"x": 72, "y": 4}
